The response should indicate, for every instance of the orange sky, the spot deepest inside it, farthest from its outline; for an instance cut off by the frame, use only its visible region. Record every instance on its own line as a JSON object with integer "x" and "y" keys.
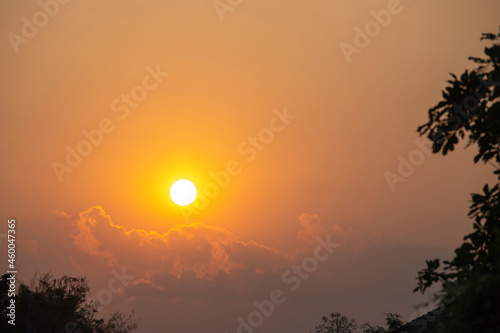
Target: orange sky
{"x": 204, "y": 87}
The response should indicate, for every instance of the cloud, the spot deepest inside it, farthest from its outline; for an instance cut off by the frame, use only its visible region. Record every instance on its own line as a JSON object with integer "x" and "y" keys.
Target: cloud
{"x": 85, "y": 238}
{"x": 198, "y": 266}
{"x": 311, "y": 228}
{"x": 203, "y": 262}
{"x": 203, "y": 250}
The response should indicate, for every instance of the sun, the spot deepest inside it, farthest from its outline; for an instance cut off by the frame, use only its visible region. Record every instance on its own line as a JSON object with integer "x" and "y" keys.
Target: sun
{"x": 183, "y": 192}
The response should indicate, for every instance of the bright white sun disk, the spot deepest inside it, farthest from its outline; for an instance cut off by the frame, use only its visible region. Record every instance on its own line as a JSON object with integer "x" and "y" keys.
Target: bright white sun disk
{"x": 183, "y": 192}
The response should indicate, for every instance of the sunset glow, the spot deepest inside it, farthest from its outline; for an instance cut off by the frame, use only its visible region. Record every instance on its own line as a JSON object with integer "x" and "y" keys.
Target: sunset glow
{"x": 195, "y": 158}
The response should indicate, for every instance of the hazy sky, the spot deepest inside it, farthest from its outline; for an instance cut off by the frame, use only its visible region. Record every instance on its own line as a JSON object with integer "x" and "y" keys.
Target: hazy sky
{"x": 105, "y": 104}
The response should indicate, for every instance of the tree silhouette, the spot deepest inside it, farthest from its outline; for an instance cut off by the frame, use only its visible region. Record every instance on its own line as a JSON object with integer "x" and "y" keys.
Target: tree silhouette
{"x": 50, "y": 305}
{"x": 470, "y": 282}
{"x": 392, "y": 322}
{"x": 336, "y": 323}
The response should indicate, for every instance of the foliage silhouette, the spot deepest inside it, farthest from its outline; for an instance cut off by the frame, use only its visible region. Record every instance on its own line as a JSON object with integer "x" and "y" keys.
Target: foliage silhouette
{"x": 338, "y": 323}
{"x": 470, "y": 282}
{"x": 392, "y": 322}
{"x": 50, "y": 305}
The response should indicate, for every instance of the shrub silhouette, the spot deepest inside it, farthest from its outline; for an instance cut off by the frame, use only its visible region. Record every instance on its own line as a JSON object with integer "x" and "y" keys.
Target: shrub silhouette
{"x": 50, "y": 305}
